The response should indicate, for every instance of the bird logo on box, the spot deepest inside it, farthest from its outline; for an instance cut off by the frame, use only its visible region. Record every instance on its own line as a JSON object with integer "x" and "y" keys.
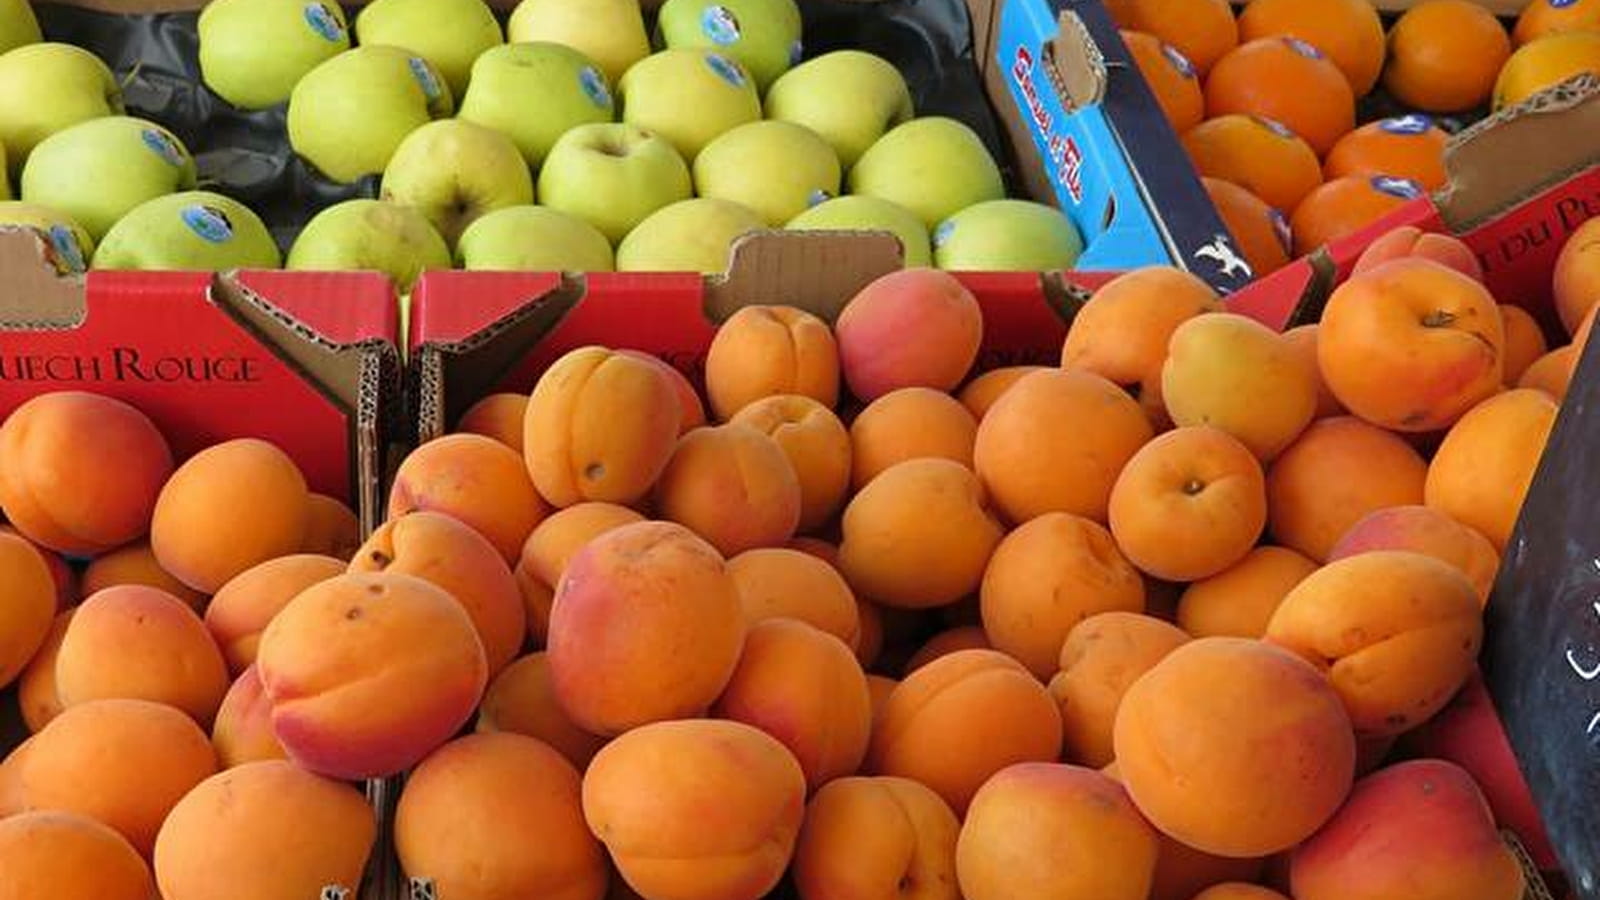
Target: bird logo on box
{"x": 1221, "y": 252}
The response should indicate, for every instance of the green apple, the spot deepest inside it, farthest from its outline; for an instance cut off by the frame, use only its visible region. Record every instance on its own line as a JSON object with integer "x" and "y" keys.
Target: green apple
{"x": 193, "y": 230}
{"x": 448, "y": 33}
{"x": 96, "y": 171}
{"x": 18, "y": 25}
{"x": 253, "y": 51}
{"x": 810, "y": 94}
{"x": 688, "y": 97}
{"x": 610, "y": 32}
{"x": 933, "y": 166}
{"x": 763, "y": 35}
{"x": 855, "y": 213}
{"x": 535, "y": 93}
{"x": 347, "y": 116}
{"x": 612, "y": 176}
{"x": 1006, "y": 236}
{"x": 454, "y": 171}
{"x": 777, "y": 169}
{"x": 370, "y": 235}
{"x": 69, "y": 243}
{"x": 46, "y": 87}
{"x": 533, "y": 239}
{"x": 688, "y": 236}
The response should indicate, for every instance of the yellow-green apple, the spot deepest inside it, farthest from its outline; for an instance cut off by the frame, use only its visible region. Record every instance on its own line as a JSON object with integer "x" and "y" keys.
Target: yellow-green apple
{"x": 18, "y": 25}
{"x": 810, "y": 94}
{"x": 856, "y": 213}
{"x": 70, "y": 244}
{"x": 448, "y": 33}
{"x": 763, "y": 35}
{"x": 454, "y": 171}
{"x": 610, "y": 32}
{"x": 688, "y": 97}
{"x": 535, "y": 93}
{"x": 933, "y": 166}
{"x": 347, "y": 116}
{"x": 612, "y": 175}
{"x": 1006, "y": 236}
{"x": 533, "y": 239}
{"x": 778, "y": 169}
{"x": 46, "y": 87}
{"x": 370, "y": 235}
{"x": 688, "y": 236}
{"x": 189, "y": 230}
{"x": 253, "y": 51}
{"x": 95, "y": 171}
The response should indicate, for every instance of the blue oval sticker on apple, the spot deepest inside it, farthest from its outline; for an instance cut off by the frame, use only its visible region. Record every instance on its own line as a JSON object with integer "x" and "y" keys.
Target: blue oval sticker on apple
{"x": 163, "y": 145}
{"x": 210, "y": 223}
{"x": 594, "y": 86}
{"x": 69, "y": 252}
{"x": 720, "y": 25}
{"x": 943, "y": 232}
{"x": 818, "y": 197}
{"x": 726, "y": 69}
{"x": 797, "y": 51}
{"x": 423, "y": 73}
{"x": 324, "y": 22}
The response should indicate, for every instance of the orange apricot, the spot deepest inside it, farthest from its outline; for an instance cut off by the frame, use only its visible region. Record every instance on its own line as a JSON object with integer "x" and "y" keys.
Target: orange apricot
{"x": 1422, "y": 529}
{"x": 1240, "y": 600}
{"x": 733, "y": 486}
{"x": 27, "y": 605}
{"x": 915, "y": 327}
{"x": 37, "y": 697}
{"x": 981, "y": 392}
{"x": 876, "y": 838}
{"x": 779, "y": 583}
{"x": 1339, "y": 470}
{"x": 476, "y": 480}
{"x": 59, "y": 854}
{"x": 522, "y": 700}
{"x": 242, "y": 608}
{"x": 909, "y": 423}
{"x": 1481, "y": 473}
{"x": 136, "y": 563}
{"x": 334, "y": 528}
{"x": 818, "y": 448}
{"x": 497, "y": 416}
{"x": 1233, "y": 373}
{"x": 243, "y": 730}
{"x": 1101, "y": 658}
{"x": 765, "y": 351}
{"x": 1121, "y": 333}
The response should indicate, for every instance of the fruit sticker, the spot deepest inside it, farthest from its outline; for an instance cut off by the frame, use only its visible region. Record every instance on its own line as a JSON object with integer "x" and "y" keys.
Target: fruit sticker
{"x": 1303, "y": 48}
{"x": 69, "y": 257}
{"x": 210, "y": 223}
{"x": 163, "y": 145}
{"x": 818, "y": 197}
{"x": 720, "y": 25}
{"x": 941, "y": 235}
{"x": 1274, "y": 126}
{"x": 420, "y": 70}
{"x": 594, "y": 86}
{"x": 1560, "y": 4}
{"x": 1280, "y": 227}
{"x": 1415, "y": 123}
{"x": 1404, "y": 188}
{"x": 726, "y": 69}
{"x": 324, "y": 22}
{"x": 797, "y": 51}
{"x": 1178, "y": 60}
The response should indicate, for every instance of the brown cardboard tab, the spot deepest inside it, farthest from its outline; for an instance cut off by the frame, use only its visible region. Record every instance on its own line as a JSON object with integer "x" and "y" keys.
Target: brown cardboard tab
{"x": 1065, "y": 298}
{"x": 1074, "y": 63}
{"x": 38, "y": 294}
{"x": 817, "y": 271}
{"x": 1520, "y": 151}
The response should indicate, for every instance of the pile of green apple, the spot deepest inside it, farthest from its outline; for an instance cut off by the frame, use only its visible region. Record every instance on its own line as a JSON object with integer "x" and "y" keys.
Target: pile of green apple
{"x": 642, "y": 156}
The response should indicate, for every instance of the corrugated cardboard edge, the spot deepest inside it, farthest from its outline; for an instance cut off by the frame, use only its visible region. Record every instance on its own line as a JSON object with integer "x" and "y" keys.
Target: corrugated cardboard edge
{"x": 817, "y": 271}
{"x": 39, "y": 295}
{"x": 1535, "y": 887}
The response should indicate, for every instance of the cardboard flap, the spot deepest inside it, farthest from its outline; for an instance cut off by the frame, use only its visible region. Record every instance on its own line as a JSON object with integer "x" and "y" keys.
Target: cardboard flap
{"x": 1063, "y": 296}
{"x": 41, "y": 292}
{"x": 818, "y": 271}
{"x": 1074, "y": 62}
{"x": 1520, "y": 151}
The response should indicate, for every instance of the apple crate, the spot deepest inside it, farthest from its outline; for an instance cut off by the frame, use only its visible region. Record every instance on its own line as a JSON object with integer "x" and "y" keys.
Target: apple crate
{"x": 305, "y": 360}
{"x": 1521, "y": 182}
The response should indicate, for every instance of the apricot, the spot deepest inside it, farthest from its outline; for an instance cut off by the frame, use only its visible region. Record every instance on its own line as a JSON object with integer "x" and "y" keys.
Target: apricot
{"x": 1482, "y": 471}
{"x": 1525, "y": 342}
{"x": 918, "y": 535}
{"x": 368, "y": 673}
{"x": 951, "y": 640}
{"x": 1092, "y": 428}
{"x": 1071, "y": 828}
{"x": 776, "y": 582}
{"x": 1397, "y": 633}
{"x": 1240, "y": 600}
{"x": 1408, "y": 241}
{"x": 1302, "y": 340}
{"x": 62, "y": 574}
{"x": 241, "y": 609}
{"x": 692, "y": 411}
{"x": 475, "y": 480}
{"x": 229, "y": 507}
{"x": 915, "y": 327}
{"x": 334, "y": 529}
{"x": 27, "y": 605}
{"x": 1411, "y": 345}
{"x": 1419, "y": 830}
{"x": 734, "y": 793}
{"x": 37, "y": 697}
{"x": 1421, "y": 529}
{"x": 1235, "y": 374}
{"x": 733, "y": 486}
{"x": 123, "y": 763}
{"x": 58, "y": 854}
{"x": 804, "y": 687}
{"x": 765, "y": 351}
{"x": 141, "y": 643}
{"x": 497, "y": 416}
{"x": 909, "y": 423}
{"x": 1235, "y": 747}
{"x": 1339, "y": 470}
{"x": 1552, "y": 372}
{"x": 1238, "y": 890}
{"x": 648, "y": 597}
{"x": 817, "y": 446}
{"x": 79, "y": 472}
{"x": 498, "y": 815}
{"x": 1189, "y": 504}
{"x": 1575, "y": 282}
{"x": 981, "y": 393}
{"x": 136, "y": 564}
{"x": 1045, "y": 578}
{"x": 1101, "y": 658}
{"x": 265, "y": 831}
{"x": 522, "y": 700}
{"x": 963, "y": 717}
{"x": 600, "y": 426}
{"x": 1122, "y": 332}
{"x": 243, "y": 731}
{"x": 547, "y": 550}
{"x": 877, "y": 839}
{"x": 446, "y": 553}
